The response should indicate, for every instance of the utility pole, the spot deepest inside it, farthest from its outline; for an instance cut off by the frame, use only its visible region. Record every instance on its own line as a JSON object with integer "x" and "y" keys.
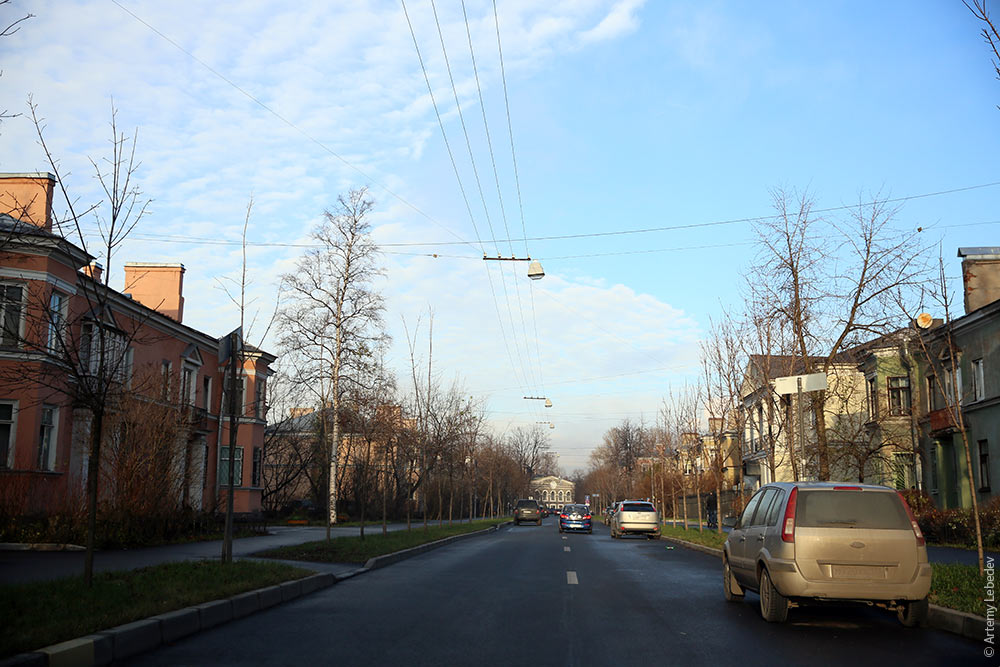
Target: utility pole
{"x": 227, "y": 541}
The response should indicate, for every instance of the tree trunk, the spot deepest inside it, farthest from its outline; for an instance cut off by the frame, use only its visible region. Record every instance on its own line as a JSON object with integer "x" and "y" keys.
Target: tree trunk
{"x": 93, "y": 484}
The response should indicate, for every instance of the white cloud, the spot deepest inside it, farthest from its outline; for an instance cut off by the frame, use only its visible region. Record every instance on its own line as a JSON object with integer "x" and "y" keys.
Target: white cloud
{"x": 621, "y": 20}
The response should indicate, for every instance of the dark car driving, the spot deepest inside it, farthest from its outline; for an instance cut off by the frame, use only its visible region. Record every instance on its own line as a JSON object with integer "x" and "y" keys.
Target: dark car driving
{"x": 527, "y": 510}
{"x": 575, "y": 517}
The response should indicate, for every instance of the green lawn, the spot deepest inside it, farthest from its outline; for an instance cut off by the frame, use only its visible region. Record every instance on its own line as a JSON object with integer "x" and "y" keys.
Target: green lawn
{"x": 703, "y": 537}
{"x": 959, "y": 587}
{"x": 355, "y": 550}
{"x": 39, "y": 614}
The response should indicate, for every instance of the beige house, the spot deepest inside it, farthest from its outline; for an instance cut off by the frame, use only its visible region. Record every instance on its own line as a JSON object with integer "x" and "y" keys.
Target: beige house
{"x": 552, "y": 491}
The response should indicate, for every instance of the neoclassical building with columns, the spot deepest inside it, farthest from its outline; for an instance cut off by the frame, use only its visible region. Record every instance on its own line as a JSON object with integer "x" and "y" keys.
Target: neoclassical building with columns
{"x": 553, "y": 491}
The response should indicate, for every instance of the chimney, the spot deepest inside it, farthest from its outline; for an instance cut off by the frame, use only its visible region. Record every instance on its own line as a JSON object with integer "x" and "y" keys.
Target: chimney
{"x": 94, "y": 270}
{"x": 980, "y": 276}
{"x": 157, "y": 286}
{"x": 28, "y": 197}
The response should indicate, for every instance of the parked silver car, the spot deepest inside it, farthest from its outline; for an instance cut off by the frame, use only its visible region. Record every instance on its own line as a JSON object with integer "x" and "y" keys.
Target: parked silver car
{"x": 828, "y": 541}
{"x": 636, "y": 517}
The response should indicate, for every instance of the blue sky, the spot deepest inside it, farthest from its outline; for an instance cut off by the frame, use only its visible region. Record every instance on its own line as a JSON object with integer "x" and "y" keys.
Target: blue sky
{"x": 625, "y": 115}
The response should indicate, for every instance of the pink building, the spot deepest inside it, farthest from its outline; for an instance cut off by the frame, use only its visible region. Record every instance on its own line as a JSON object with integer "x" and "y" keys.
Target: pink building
{"x": 50, "y": 292}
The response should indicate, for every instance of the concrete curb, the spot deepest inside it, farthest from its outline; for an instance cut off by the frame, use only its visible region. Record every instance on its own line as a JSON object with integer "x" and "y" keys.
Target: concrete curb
{"x": 39, "y": 546}
{"x": 132, "y": 638}
{"x": 938, "y": 618}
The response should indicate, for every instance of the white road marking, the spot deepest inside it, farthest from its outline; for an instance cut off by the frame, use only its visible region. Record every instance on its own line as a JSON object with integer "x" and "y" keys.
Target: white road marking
{"x": 565, "y": 548}
{"x": 571, "y": 577}
{"x": 564, "y": 537}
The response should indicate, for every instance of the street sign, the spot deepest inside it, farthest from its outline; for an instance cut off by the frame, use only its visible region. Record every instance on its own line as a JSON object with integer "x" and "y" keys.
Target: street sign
{"x": 790, "y": 384}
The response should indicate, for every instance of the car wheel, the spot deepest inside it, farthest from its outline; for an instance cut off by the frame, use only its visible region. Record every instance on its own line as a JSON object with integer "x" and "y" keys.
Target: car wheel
{"x": 773, "y": 605}
{"x": 913, "y": 613}
{"x": 590, "y": 532}
{"x": 732, "y": 589}
{"x": 538, "y": 523}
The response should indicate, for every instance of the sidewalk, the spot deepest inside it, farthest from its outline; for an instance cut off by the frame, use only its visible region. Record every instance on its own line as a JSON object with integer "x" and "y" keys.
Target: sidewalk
{"x": 23, "y": 566}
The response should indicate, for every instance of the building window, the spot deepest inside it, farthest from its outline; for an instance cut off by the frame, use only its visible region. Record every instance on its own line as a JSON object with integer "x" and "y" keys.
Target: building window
{"x": 950, "y": 386}
{"x": 984, "y": 465}
{"x": 872, "y": 385}
{"x": 238, "y": 397}
{"x": 165, "y": 379}
{"x": 189, "y": 386}
{"x": 899, "y": 395}
{"x": 204, "y": 468}
{"x": 11, "y": 308}
{"x": 934, "y": 468}
{"x": 8, "y": 433}
{"x": 978, "y": 380}
{"x": 206, "y": 393}
{"x": 932, "y": 395}
{"x": 255, "y": 471}
{"x": 260, "y": 398}
{"x": 117, "y": 356}
{"x": 47, "y": 438}
{"x": 57, "y": 322}
{"x": 224, "y": 466}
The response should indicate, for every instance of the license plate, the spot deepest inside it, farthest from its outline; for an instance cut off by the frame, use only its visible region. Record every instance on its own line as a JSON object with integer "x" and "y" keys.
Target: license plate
{"x": 858, "y": 572}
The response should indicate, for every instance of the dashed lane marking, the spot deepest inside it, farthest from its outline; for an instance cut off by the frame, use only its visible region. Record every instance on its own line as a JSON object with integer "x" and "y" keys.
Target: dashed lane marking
{"x": 565, "y": 548}
{"x": 564, "y": 537}
{"x": 571, "y": 577}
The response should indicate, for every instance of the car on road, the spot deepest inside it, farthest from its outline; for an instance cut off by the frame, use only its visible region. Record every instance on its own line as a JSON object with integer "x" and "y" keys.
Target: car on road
{"x": 575, "y": 517}
{"x": 609, "y": 513}
{"x": 799, "y": 542}
{"x": 527, "y": 510}
{"x": 635, "y": 517}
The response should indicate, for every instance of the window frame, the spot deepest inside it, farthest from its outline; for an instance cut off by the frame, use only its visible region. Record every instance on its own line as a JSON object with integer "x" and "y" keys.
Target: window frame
{"x": 56, "y": 337}
{"x": 984, "y": 465}
{"x": 871, "y": 387}
{"x": 7, "y": 462}
{"x": 257, "y": 467}
{"x": 978, "y": 380}
{"x": 905, "y": 406}
{"x": 224, "y": 467}
{"x": 18, "y": 336}
{"x": 47, "y": 451}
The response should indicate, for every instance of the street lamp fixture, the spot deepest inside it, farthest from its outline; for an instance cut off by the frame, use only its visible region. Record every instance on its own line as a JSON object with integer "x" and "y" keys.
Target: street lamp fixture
{"x": 535, "y": 271}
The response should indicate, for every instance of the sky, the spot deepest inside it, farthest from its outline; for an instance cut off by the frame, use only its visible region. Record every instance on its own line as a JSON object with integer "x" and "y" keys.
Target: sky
{"x": 609, "y": 134}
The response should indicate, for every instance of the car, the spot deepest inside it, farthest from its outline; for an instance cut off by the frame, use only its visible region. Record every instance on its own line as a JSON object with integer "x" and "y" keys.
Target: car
{"x": 635, "y": 517}
{"x": 575, "y": 517}
{"x": 801, "y": 542}
{"x": 527, "y": 510}
{"x": 545, "y": 511}
{"x": 609, "y": 513}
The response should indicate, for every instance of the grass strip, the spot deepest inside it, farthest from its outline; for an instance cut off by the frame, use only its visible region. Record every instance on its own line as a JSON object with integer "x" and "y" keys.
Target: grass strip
{"x": 38, "y": 614}
{"x": 960, "y": 587}
{"x": 353, "y": 549}
{"x": 707, "y": 538}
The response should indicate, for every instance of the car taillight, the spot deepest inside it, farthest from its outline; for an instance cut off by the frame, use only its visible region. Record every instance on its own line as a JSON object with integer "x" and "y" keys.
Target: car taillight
{"x": 788, "y": 523}
{"x": 586, "y": 516}
{"x": 562, "y": 516}
{"x": 913, "y": 522}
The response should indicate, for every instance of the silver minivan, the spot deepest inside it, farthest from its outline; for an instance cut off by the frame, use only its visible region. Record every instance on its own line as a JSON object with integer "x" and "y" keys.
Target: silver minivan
{"x": 798, "y": 541}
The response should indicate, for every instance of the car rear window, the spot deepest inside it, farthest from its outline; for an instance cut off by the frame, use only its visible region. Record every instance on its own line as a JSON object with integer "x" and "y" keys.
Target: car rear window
{"x": 527, "y": 503}
{"x": 850, "y": 509}
{"x": 638, "y": 507}
{"x": 580, "y": 509}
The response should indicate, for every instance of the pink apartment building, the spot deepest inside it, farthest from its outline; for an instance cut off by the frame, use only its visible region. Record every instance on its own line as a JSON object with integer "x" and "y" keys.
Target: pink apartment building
{"x": 48, "y": 290}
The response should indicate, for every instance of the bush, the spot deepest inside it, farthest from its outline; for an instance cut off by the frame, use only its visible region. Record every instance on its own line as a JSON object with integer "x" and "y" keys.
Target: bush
{"x": 954, "y": 526}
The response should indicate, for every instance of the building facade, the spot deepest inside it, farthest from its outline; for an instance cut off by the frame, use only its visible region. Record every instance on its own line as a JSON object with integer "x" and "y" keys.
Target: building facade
{"x": 552, "y": 491}
{"x": 72, "y": 347}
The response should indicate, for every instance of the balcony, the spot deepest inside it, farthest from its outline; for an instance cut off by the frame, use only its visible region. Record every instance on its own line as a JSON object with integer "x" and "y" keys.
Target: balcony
{"x": 942, "y": 420}
{"x": 197, "y": 418}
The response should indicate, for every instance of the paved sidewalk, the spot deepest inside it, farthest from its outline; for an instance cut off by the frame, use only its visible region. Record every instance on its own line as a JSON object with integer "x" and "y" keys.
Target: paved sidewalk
{"x": 24, "y": 566}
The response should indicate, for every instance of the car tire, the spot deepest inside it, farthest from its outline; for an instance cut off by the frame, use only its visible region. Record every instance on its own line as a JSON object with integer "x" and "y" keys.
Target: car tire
{"x": 732, "y": 589}
{"x": 538, "y": 523}
{"x": 913, "y": 613}
{"x": 773, "y": 605}
{"x": 590, "y": 532}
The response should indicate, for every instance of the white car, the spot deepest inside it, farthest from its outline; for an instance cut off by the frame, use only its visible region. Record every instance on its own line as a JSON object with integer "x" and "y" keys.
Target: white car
{"x": 636, "y": 517}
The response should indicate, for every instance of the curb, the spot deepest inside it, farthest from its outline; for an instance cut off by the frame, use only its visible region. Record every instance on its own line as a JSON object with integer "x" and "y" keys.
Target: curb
{"x": 39, "y": 546}
{"x": 130, "y": 639}
{"x": 938, "y": 618}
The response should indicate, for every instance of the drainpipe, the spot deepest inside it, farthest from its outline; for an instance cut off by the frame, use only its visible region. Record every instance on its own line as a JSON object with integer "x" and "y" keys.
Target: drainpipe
{"x": 918, "y": 462}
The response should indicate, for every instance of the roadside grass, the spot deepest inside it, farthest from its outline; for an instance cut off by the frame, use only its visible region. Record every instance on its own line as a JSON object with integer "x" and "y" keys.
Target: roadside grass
{"x": 960, "y": 587}
{"x": 355, "y": 550}
{"x": 707, "y": 538}
{"x": 38, "y": 614}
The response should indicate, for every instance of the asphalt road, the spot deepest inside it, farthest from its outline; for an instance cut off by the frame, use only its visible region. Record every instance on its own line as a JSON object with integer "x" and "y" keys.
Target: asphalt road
{"x": 530, "y": 596}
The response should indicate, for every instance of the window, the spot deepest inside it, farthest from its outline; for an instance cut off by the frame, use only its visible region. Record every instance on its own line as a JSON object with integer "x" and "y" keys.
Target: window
{"x": 8, "y": 432}
{"x": 899, "y": 395}
{"x": 984, "y": 465}
{"x": 204, "y": 467}
{"x": 950, "y": 386}
{"x": 206, "y": 395}
{"x": 260, "y": 397}
{"x": 57, "y": 322}
{"x": 165, "y": 377}
{"x": 189, "y": 375}
{"x": 11, "y": 308}
{"x": 224, "y": 466}
{"x": 255, "y": 471}
{"x": 763, "y": 507}
{"x": 934, "y": 468}
{"x": 774, "y": 512}
{"x": 47, "y": 438}
{"x": 872, "y": 386}
{"x": 932, "y": 396}
{"x": 117, "y": 357}
{"x": 978, "y": 380}
{"x": 748, "y": 512}
{"x": 238, "y": 396}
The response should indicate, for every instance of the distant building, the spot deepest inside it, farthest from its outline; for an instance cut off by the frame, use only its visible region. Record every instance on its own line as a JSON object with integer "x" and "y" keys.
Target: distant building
{"x": 552, "y": 491}
{"x": 48, "y": 290}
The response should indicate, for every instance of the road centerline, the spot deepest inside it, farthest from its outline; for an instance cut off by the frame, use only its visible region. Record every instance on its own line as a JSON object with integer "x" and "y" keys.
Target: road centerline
{"x": 565, "y": 548}
{"x": 571, "y": 577}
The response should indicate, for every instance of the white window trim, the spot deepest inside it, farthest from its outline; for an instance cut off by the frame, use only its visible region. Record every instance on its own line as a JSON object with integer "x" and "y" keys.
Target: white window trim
{"x": 24, "y": 310}
{"x": 50, "y": 463}
{"x": 12, "y": 443}
{"x": 56, "y": 329}
{"x": 978, "y": 380}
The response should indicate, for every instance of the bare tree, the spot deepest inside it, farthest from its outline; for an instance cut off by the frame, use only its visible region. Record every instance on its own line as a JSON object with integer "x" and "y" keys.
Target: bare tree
{"x": 989, "y": 32}
{"x": 333, "y": 308}
{"x": 834, "y": 283}
{"x": 11, "y": 28}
